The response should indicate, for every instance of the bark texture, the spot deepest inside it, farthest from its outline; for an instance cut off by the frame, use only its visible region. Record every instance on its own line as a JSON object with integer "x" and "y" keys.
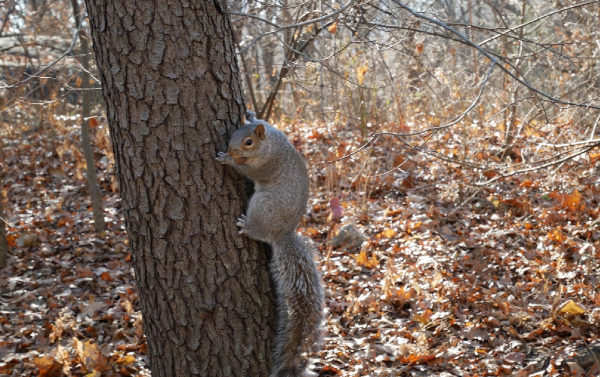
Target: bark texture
{"x": 170, "y": 80}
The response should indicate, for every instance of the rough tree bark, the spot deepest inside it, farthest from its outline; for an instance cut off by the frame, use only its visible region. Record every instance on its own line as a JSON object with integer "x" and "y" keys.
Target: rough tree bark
{"x": 170, "y": 81}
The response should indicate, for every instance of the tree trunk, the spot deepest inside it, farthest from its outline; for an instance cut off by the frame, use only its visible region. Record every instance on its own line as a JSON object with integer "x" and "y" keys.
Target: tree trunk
{"x": 86, "y": 144}
{"x": 3, "y": 242}
{"x": 171, "y": 83}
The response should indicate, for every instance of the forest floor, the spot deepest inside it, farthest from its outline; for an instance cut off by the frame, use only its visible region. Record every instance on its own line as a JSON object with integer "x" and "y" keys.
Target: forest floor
{"x": 449, "y": 280}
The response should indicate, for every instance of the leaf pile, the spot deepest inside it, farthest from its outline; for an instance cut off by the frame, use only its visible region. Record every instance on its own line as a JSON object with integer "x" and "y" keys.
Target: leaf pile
{"x": 425, "y": 275}
{"x": 69, "y": 302}
{"x": 454, "y": 280}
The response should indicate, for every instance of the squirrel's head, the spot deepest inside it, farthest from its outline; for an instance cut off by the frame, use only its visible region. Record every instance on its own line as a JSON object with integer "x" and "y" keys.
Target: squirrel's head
{"x": 246, "y": 142}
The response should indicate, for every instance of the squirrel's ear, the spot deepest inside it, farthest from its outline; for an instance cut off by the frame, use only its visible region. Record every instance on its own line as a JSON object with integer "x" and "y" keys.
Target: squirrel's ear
{"x": 260, "y": 131}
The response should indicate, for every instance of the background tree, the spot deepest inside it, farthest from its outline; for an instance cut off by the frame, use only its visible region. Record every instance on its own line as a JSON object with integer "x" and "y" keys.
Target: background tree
{"x": 171, "y": 83}
{"x": 86, "y": 108}
{"x": 465, "y": 141}
{"x": 3, "y": 242}
{"x": 37, "y": 70}
{"x": 501, "y": 74}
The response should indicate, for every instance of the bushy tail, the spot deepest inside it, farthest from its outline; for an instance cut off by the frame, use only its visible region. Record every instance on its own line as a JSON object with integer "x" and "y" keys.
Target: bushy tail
{"x": 300, "y": 304}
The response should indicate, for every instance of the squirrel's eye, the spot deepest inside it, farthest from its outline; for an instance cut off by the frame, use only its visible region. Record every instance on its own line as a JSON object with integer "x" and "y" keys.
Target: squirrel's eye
{"x": 248, "y": 142}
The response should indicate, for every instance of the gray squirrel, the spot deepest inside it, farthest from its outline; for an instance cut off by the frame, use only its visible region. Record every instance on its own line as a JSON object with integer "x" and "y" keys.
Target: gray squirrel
{"x": 263, "y": 154}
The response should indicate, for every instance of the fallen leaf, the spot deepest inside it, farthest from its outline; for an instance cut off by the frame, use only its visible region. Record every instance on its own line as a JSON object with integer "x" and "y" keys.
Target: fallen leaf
{"x": 48, "y": 366}
{"x": 417, "y": 359}
{"x": 572, "y": 308}
{"x": 388, "y": 233}
{"x": 90, "y": 356}
{"x": 363, "y": 260}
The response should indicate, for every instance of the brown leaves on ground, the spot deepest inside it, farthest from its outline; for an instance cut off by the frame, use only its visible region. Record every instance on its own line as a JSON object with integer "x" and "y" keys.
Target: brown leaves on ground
{"x": 506, "y": 284}
{"x": 68, "y": 305}
{"x": 456, "y": 281}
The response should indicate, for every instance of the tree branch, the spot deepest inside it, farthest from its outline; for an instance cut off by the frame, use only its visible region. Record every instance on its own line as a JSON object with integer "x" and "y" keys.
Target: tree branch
{"x": 493, "y": 59}
{"x": 284, "y": 27}
{"x": 47, "y": 67}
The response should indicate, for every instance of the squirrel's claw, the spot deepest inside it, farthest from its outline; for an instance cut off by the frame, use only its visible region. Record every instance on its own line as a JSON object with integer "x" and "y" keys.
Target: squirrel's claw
{"x": 241, "y": 222}
{"x": 222, "y": 157}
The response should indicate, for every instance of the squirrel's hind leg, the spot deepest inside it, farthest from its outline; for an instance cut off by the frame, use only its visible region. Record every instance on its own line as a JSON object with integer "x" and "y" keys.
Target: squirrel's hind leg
{"x": 256, "y": 224}
{"x": 252, "y": 229}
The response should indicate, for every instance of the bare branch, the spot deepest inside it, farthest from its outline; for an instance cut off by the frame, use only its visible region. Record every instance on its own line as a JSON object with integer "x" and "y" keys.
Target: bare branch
{"x": 493, "y": 59}
{"x": 522, "y": 25}
{"x": 47, "y": 67}
{"x": 539, "y": 166}
{"x": 6, "y": 16}
{"x": 285, "y": 27}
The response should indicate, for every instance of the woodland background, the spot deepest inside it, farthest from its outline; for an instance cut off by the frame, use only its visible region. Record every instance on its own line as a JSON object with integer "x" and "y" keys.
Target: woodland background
{"x": 453, "y": 153}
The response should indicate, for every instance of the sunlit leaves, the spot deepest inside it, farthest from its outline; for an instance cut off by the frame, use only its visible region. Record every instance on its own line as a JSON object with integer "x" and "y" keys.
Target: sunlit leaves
{"x": 69, "y": 307}
{"x": 48, "y": 366}
{"x": 365, "y": 261}
{"x": 470, "y": 288}
{"x": 571, "y": 308}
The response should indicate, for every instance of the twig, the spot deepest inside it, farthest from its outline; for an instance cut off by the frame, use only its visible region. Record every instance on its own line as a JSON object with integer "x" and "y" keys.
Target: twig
{"x": 5, "y": 222}
{"x": 594, "y": 129}
{"x": 512, "y": 29}
{"x": 302, "y": 23}
{"x": 6, "y": 16}
{"x": 493, "y": 59}
{"x": 431, "y": 130}
{"x": 285, "y": 27}
{"x": 47, "y": 67}
{"x": 344, "y": 157}
{"x": 537, "y": 167}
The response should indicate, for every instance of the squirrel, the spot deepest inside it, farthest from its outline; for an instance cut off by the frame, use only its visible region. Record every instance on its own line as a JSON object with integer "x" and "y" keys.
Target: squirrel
{"x": 264, "y": 154}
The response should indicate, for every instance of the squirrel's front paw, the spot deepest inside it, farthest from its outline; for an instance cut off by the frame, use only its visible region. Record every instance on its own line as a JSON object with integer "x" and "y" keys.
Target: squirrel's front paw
{"x": 223, "y": 158}
{"x": 241, "y": 222}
